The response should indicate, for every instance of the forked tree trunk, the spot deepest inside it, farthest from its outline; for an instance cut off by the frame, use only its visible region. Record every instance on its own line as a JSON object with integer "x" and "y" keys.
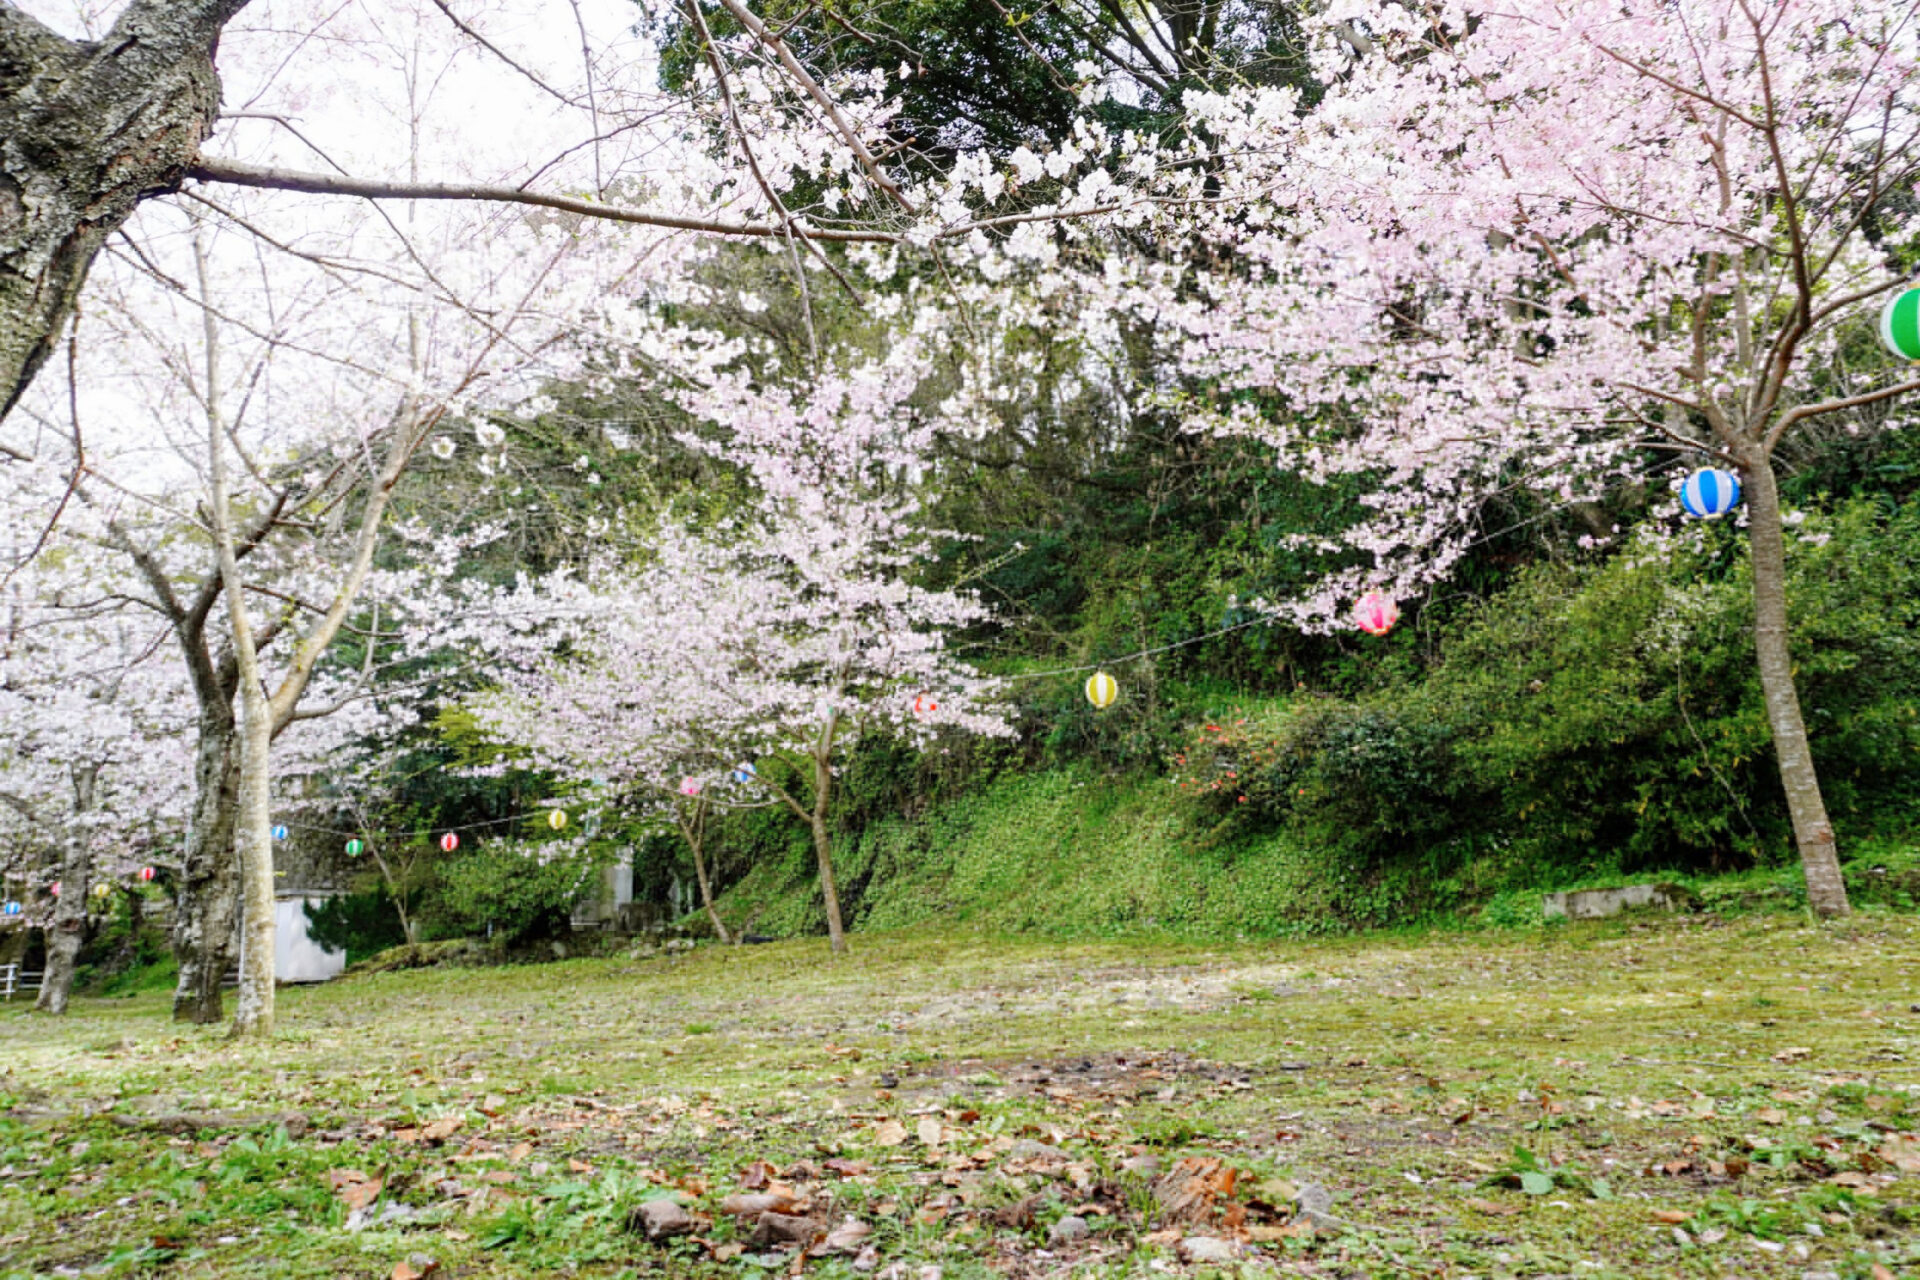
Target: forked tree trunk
{"x": 253, "y": 840}
{"x": 207, "y": 895}
{"x": 69, "y": 926}
{"x": 87, "y": 131}
{"x": 1812, "y": 832}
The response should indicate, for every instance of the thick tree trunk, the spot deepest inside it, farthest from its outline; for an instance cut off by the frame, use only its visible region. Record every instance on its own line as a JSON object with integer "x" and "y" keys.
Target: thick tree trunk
{"x": 87, "y": 131}
{"x": 69, "y": 927}
{"x": 253, "y": 843}
{"x": 1812, "y": 832}
{"x": 208, "y": 892}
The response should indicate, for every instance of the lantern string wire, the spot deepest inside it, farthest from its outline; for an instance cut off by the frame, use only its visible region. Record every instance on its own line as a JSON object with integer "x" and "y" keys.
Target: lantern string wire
{"x": 1266, "y": 619}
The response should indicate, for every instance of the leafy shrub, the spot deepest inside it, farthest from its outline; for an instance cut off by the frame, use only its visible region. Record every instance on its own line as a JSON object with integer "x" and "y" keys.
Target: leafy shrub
{"x": 525, "y": 889}
{"x": 360, "y": 924}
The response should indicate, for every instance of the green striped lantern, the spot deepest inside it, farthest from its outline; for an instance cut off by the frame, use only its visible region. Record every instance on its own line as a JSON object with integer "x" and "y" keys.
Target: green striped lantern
{"x": 356, "y": 847}
{"x": 1900, "y": 324}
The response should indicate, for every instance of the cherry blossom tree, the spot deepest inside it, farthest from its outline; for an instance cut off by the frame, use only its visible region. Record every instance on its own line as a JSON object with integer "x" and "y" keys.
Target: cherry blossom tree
{"x": 93, "y": 767}
{"x": 1537, "y": 247}
{"x": 791, "y": 631}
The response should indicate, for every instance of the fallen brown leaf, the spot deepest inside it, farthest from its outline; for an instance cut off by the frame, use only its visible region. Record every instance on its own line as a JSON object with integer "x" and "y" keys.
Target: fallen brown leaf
{"x": 1493, "y": 1208}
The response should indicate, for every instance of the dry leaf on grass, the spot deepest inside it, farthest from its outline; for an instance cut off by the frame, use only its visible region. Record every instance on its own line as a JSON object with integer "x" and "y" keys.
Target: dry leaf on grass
{"x": 1495, "y": 1209}
{"x": 891, "y": 1133}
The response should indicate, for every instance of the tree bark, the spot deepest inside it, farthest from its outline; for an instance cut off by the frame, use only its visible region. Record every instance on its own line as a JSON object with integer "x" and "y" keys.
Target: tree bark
{"x": 208, "y": 893}
{"x": 87, "y": 131}
{"x": 695, "y": 833}
{"x": 253, "y": 843}
{"x": 1812, "y": 832}
{"x": 69, "y": 927}
{"x": 823, "y": 835}
{"x": 253, "y": 840}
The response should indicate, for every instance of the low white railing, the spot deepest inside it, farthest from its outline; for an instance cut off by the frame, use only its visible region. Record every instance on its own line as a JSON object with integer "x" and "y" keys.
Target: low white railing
{"x": 13, "y": 978}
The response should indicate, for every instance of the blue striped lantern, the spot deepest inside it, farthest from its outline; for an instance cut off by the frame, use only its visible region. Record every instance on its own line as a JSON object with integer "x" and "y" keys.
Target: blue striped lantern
{"x": 1900, "y": 324}
{"x": 1710, "y": 493}
{"x": 280, "y": 831}
{"x": 12, "y": 908}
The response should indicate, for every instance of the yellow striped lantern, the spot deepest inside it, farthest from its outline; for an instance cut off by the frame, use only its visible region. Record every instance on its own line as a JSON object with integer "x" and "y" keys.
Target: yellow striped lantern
{"x": 557, "y": 819}
{"x": 1102, "y": 689}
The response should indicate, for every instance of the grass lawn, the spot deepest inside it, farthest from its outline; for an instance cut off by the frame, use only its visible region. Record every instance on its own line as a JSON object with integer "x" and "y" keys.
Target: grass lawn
{"x": 1666, "y": 1097}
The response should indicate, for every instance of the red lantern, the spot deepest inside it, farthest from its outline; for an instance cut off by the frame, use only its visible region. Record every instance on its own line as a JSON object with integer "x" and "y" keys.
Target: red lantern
{"x": 924, "y": 705}
{"x": 1375, "y": 613}
{"x": 55, "y": 886}
{"x": 146, "y": 875}
{"x": 449, "y": 842}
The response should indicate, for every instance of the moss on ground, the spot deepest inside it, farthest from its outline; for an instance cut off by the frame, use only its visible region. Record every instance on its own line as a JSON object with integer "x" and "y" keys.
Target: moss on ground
{"x": 1668, "y": 1097}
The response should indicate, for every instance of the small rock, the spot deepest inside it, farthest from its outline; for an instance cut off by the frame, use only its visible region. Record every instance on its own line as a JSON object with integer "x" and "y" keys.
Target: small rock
{"x": 888, "y": 1080}
{"x": 1293, "y": 1066}
{"x": 784, "y": 1228}
{"x": 1029, "y": 1149}
{"x": 1316, "y": 1206}
{"x": 1208, "y": 1249}
{"x": 1068, "y": 1230}
{"x": 662, "y": 1218}
{"x": 387, "y": 1213}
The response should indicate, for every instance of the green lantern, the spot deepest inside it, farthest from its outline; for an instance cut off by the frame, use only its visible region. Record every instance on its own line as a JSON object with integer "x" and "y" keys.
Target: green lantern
{"x": 356, "y": 847}
{"x": 1900, "y": 324}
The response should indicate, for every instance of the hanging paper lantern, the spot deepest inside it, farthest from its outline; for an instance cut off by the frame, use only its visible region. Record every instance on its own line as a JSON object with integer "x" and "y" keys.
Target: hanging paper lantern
{"x": 1375, "y": 613}
{"x": 1102, "y": 689}
{"x": 356, "y": 847}
{"x": 924, "y": 705}
{"x": 744, "y": 772}
{"x": 102, "y": 890}
{"x": 557, "y": 819}
{"x": 449, "y": 842}
{"x": 689, "y": 786}
{"x": 1900, "y": 324}
{"x": 280, "y": 831}
{"x": 55, "y": 888}
{"x": 12, "y": 908}
{"x": 146, "y": 875}
{"x": 1710, "y": 494}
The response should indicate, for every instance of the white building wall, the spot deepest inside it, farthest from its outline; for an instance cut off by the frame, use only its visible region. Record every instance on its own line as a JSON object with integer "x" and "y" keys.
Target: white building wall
{"x": 296, "y": 957}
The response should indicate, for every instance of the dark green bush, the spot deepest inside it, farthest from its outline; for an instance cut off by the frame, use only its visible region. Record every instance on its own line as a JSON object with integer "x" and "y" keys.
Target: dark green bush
{"x": 523, "y": 889}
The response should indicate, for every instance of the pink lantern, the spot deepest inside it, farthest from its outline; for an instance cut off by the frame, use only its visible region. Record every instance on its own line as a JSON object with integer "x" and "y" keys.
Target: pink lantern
{"x": 55, "y": 886}
{"x": 1375, "y": 613}
{"x": 146, "y": 875}
{"x": 449, "y": 842}
{"x": 689, "y": 786}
